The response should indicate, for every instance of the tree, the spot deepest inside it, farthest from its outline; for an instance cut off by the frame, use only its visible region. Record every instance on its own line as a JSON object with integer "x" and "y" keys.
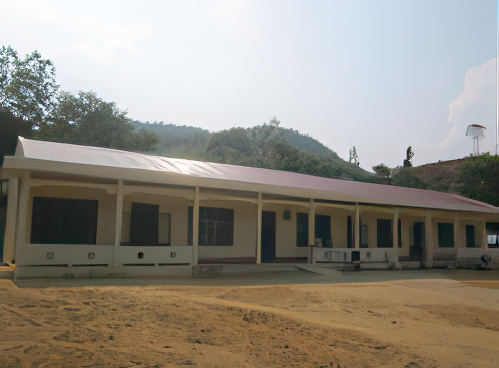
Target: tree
{"x": 383, "y": 171}
{"x": 27, "y": 87}
{"x": 354, "y": 158}
{"x": 479, "y": 176}
{"x": 409, "y": 156}
{"x": 88, "y": 120}
{"x": 405, "y": 177}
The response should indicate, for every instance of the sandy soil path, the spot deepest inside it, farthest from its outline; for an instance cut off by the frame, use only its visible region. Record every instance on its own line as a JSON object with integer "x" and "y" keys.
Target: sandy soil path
{"x": 404, "y": 323}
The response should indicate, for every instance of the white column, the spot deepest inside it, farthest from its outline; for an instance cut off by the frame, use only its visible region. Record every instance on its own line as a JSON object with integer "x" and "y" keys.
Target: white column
{"x": 119, "y": 222}
{"x": 456, "y": 230}
{"x": 22, "y": 217}
{"x": 311, "y": 230}
{"x": 396, "y": 228}
{"x": 259, "y": 231}
{"x": 396, "y": 238}
{"x": 356, "y": 230}
{"x": 485, "y": 245}
{"x": 429, "y": 240}
{"x": 311, "y": 223}
{"x": 195, "y": 227}
{"x": 10, "y": 223}
{"x": 119, "y": 213}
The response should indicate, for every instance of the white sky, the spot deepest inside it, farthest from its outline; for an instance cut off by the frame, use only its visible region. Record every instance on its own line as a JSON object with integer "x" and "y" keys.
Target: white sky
{"x": 380, "y": 75}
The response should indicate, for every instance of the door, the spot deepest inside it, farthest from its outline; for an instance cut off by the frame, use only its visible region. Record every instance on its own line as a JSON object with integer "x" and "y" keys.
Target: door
{"x": 268, "y": 236}
{"x": 323, "y": 229}
{"x": 416, "y": 251}
{"x": 470, "y": 236}
{"x": 144, "y": 223}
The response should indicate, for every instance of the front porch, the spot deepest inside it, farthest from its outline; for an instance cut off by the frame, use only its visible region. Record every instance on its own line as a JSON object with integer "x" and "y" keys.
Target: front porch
{"x": 124, "y": 228}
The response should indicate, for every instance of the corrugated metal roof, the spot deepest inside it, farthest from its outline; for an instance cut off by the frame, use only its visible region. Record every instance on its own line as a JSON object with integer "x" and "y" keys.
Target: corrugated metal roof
{"x": 224, "y": 176}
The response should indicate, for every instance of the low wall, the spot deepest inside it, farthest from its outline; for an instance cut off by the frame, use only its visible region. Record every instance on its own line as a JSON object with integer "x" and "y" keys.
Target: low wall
{"x": 50, "y": 260}
{"x": 471, "y": 257}
{"x": 369, "y": 257}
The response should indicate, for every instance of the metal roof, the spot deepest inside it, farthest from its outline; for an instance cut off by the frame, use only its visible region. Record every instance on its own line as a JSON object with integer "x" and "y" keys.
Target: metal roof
{"x": 99, "y": 162}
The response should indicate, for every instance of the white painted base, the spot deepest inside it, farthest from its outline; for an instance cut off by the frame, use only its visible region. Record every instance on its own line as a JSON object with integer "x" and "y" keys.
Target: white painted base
{"x": 101, "y": 272}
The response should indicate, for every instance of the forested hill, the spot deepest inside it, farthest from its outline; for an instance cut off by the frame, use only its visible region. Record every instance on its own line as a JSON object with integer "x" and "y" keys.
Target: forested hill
{"x": 267, "y": 145}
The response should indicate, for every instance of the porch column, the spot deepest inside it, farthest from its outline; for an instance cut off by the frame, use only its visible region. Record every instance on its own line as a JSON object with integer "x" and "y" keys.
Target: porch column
{"x": 10, "y": 223}
{"x": 356, "y": 231}
{"x": 195, "y": 227}
{"x": 456, "y": 230}
{"x": 429, "y": 240}
{"x": 396, "y": 228}
{"x": 259, "y": 231}
{"x": 119, "y": 213}
{"x": 119, "y": 221}
{"x": 311, "y": 223}
{"x": 311, "y": 230}
{"x": 22, "y": 215}
{"x": 485, "y": 242}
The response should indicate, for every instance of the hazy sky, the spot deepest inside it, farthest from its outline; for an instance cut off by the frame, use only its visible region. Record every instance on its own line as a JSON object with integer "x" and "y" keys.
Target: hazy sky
{"x": 377, "y": 75}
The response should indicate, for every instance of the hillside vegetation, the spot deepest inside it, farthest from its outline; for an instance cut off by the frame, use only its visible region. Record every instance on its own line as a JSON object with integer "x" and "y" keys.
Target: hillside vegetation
{"x": 266, "y": 146}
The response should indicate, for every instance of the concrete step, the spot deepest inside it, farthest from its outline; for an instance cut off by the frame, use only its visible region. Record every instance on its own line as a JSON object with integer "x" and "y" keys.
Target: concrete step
{"x": 6, "y": 272}
{"x": 321, "y": 270}
{"x": 410, "y": 265}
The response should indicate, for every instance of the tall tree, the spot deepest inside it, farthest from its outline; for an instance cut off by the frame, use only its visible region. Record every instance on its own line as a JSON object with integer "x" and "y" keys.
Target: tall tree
{"x": 88, "y": 120}
{"x": 354, "y": 158}
{"x": 409, "y": 156}
{"x": 27, "y": 87}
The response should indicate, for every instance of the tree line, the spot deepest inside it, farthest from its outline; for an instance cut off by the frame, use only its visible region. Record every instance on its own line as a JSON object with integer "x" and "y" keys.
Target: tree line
{"x": 29, "y": 92}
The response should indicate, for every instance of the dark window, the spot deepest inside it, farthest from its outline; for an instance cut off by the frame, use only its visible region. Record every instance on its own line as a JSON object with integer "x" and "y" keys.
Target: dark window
{"x": 64, "y": 221}
{"x": 144, "y": 223}
{"x": 445, "y": 235}
{"x": 385, "y": 234}
{"x": 216, "y": 226}
{"x": 470, "y": 236}
{"x": 302, "y": 229}
{"x": 400, "y": 233}
{"x": 350, "y": 241}
{"x": 323, "y": 229}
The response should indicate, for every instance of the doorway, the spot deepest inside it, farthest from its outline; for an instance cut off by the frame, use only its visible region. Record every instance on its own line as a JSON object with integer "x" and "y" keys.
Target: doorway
{"x": 416, "y": 251}
{"x": 144, "y": 224}
{"x": 268, "y": 236}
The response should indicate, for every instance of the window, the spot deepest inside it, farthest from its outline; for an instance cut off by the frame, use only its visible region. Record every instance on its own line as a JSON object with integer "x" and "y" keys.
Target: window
{"x": 492, "y": 229}
{"x": 216, "y": 226}
{"x": 385, "y": 235}
{"x": 470, "y": 236}
{"x": 301, "y": 229}
{"x": 445, "y": 235}
{"x": 350, "y": 241}
{"x": 64, "y": 221}
{"x": 144, "y": 223}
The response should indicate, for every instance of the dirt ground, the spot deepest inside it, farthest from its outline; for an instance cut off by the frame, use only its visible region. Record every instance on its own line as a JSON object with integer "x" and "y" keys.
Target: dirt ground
{"x": 398, "y": 323}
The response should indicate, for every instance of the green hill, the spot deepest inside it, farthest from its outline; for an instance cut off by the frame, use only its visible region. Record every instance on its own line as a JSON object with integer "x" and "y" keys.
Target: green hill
{"x": 267, "y": 145}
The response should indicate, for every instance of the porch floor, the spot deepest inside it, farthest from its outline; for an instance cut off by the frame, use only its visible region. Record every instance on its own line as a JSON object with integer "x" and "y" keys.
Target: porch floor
{"x": 250, "y": 260}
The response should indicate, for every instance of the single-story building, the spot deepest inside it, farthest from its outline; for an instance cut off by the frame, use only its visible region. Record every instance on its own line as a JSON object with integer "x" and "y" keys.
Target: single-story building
{"x": 77, "y": 210}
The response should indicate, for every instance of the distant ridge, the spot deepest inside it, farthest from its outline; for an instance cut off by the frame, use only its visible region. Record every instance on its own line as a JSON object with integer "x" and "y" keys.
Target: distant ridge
{"x": 235, "y": 146}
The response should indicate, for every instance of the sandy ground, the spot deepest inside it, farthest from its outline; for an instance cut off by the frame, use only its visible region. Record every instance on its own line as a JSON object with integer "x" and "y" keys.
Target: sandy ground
{"x": 411, "y": 322}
